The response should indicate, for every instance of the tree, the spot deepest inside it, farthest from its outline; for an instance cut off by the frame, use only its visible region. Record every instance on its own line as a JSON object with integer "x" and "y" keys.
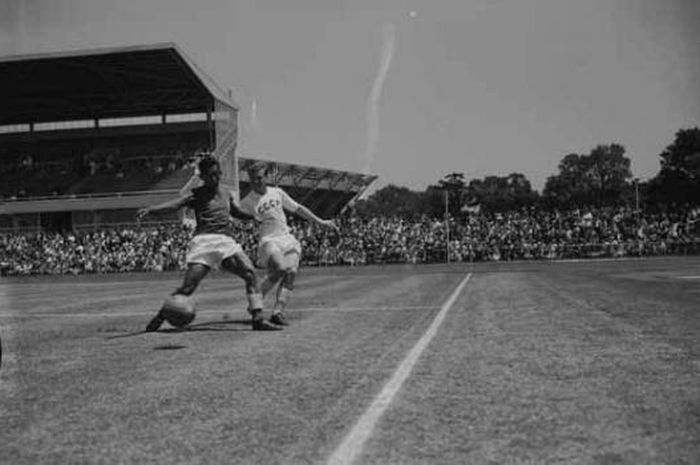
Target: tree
{"x": 600, "y": 178}
{"x": 401, "y": 201}
{"x": 683, "y": 155}
{"x": 454, "y": 185}
{"x": 609, "y": 173}
{"x": 452, "y": 181}
{"x": 492, "y": 193}
{"x": 391, "y": 200}
{"x": 567, "y": 188}
{"x": 678, "y": 180}
{"x": 503, "y": 193}
{"x": 434, "y": 201}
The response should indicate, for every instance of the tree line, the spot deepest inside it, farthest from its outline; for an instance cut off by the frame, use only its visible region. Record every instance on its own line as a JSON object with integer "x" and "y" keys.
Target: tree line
{"x": 600, "y": 178}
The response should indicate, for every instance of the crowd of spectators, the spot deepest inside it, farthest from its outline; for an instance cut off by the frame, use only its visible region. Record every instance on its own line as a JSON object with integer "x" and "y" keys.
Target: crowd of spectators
{"x": 522, "y": 235}
{"x": 114, "y": 251}
{"x": 519, "y": 235}
{"x": 119, "y": 165}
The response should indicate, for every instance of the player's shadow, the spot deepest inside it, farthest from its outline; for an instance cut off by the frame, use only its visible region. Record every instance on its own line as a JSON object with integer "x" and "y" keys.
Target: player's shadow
{"x": 170, "y": 347}
{"x": 217, "y": 325}
{"x": 213, "y": 325}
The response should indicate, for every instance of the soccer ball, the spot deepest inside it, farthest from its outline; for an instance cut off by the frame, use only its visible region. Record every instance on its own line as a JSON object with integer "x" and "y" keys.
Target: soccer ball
{"x": 178, "y": 310}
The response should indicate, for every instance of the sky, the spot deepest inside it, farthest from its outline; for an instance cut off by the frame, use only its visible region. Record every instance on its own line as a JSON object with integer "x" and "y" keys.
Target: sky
{"x": 414, "y": 90}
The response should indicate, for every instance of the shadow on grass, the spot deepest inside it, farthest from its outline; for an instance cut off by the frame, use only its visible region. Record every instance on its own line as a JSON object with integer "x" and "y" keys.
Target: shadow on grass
{"x": 170, "y": 347}
{"x": 119, "y": 336}
{"x": 215, "y": 325}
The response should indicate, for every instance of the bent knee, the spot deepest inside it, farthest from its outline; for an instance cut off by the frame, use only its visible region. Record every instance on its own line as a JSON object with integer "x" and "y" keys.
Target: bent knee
{"x": 276, "y": 270}
{"x": 248, "y": 273}
{"x": 289, "y": 277}
{"x": 284, "y": 271}
{"x": 245, "y": 271}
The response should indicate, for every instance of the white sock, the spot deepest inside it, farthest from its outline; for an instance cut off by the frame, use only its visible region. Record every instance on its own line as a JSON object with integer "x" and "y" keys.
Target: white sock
{"x": 255, "y": 301}
{"x": 283, "y": 296}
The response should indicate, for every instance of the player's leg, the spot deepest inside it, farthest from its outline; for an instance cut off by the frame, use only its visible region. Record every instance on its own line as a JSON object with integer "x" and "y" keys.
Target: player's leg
{"x": 289, "y": 267}
{"x": 269, "y": 282}
{"x": 240, "y": 265}
{"x": 269, "y": 258}
{"x": 193, "y": 276}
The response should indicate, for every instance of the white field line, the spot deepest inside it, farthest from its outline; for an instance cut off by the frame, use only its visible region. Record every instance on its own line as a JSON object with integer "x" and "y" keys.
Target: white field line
{"x": 688, "y": 277}
{"x": 215, "y": 312}
{"x": 353, "y": 443}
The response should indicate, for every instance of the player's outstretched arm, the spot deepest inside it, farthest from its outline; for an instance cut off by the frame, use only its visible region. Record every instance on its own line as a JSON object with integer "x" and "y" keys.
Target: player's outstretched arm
{"x": 165, "y": 206}
{"x": 309, "y": 215}
{"x": 237, "y": 212}
{"x": 292, "y": 205}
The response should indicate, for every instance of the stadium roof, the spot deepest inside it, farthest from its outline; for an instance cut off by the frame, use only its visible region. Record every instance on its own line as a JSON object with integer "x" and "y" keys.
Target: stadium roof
{"x": 325, "y": 191}
{"x": 104, "y": 83}
{"x": 308, "y": 177}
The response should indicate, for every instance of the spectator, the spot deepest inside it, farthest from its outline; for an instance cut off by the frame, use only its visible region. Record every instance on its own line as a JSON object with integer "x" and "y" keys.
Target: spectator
{"x": 520, "y": 235}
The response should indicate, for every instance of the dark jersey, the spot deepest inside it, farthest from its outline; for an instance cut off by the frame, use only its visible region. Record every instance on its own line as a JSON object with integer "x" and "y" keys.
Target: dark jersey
{"x": 212, "y": 210}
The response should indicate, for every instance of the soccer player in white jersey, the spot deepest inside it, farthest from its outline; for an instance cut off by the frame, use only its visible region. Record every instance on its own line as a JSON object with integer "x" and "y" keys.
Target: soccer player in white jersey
{"x": 278, "y": 250}
{"x": 213, "y": 244}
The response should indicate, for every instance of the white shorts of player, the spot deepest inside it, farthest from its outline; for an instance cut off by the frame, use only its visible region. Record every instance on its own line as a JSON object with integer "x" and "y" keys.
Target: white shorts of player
{"x": 211, "y": 249}
{"x": 287, "y": 245}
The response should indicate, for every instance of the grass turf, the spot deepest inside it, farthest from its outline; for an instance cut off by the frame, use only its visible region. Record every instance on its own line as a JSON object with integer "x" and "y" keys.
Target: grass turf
{"x": 541, "y": 363}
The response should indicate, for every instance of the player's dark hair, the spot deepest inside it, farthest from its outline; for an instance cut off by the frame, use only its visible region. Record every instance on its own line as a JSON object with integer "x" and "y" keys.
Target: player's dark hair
{"x": 207, "y": 162}
{"x": 256, "y": 168}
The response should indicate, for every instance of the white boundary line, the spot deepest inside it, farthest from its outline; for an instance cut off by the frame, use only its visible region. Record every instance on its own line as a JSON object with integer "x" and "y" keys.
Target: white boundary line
{"x": 352, "y": 445}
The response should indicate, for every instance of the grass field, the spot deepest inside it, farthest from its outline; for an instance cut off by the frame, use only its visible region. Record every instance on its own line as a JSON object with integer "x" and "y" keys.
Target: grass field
{"x": 569, "y": 362}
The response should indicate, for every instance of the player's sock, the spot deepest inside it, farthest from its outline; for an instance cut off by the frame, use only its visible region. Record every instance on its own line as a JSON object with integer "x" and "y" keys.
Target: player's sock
{"x": 278, "y": 317}
{"x": 283, "y": 296}
{"x": 255, "y": 303}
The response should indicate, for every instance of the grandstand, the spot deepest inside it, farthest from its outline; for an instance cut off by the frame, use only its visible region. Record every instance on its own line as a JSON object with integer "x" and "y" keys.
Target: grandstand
{"x": 88, "y": 137}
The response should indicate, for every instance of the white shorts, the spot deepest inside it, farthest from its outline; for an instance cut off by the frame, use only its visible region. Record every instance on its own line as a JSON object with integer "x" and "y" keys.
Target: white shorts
{"x": 211, "y": 249}
{"x": 286, "y": 245}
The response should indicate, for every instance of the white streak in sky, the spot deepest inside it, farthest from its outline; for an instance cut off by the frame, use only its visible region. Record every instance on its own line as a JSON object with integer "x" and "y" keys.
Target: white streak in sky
{"x": 389, "y": 38}
{"x": 254, "y": 116}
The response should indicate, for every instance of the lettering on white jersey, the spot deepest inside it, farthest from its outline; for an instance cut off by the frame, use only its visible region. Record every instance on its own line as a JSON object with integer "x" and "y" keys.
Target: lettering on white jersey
{"x": 268, "y": 205}
{"x": 268, "y": 210}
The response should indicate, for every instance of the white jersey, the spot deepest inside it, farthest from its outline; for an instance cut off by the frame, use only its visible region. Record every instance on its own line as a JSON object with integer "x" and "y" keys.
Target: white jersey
{"x": 268, "y": 210}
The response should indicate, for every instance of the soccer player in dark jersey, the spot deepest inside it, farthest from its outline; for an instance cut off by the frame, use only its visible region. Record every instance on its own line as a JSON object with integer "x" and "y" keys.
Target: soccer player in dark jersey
{"x": 213, "y": 244}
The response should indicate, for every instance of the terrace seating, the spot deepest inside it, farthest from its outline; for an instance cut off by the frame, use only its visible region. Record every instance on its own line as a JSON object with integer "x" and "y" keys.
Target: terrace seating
{"x": 174, "y": 180}
{"x": 36, "y": 183}
{"x": 134, "y": 174}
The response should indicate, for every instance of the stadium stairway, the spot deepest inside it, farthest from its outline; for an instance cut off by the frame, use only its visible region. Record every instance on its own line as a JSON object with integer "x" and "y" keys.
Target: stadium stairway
{"x": 37, "y": 185}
